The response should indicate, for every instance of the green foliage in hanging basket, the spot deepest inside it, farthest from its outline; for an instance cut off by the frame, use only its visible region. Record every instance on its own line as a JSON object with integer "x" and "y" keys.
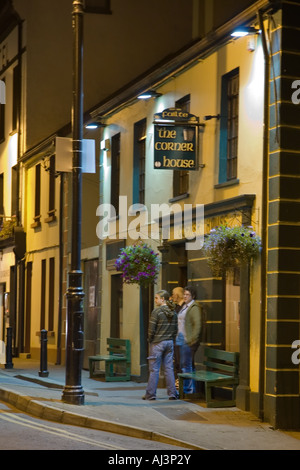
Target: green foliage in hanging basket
{"x": 139, "y": 264}
{"x": 230, "y": 247}
{"x": 7, "y": 228}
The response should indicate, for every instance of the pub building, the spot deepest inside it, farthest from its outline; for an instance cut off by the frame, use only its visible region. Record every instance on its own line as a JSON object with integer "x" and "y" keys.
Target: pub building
{"x": 220, "y": 132}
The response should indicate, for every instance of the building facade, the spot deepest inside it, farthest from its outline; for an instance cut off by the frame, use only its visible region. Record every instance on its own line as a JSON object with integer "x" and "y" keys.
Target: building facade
{"x": 246, "y": 173}
{"x": 242, "y": 96}
{"x": 12, "y": 247}
{"x": 230, "y": 194}
{"x": 35, "y": 194}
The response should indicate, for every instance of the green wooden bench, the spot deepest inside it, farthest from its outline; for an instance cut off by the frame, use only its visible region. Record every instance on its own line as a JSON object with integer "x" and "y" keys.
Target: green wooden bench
{"x": 222, "y": 369}
{"x": 118, "y": 353}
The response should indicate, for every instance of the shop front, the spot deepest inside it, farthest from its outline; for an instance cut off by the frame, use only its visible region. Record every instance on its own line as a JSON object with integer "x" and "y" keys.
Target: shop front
{"x": 226, "y": 299}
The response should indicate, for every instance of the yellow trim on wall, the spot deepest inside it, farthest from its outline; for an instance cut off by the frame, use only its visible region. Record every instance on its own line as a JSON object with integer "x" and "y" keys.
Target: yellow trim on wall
{"x": 283, "y": 296}
{"x": 281, "y": 395}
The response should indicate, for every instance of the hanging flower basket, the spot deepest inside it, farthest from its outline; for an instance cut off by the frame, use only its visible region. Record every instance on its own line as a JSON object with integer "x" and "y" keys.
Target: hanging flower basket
{"x": 139, "y": 264}
{"x": 7, "y": 228}
{"x": 230, "y": 247}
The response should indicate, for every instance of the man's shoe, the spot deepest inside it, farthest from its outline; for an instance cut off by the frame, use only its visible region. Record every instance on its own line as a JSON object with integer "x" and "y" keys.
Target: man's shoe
{"x": 151, "y": 398}
{"x": 173, "y": 398}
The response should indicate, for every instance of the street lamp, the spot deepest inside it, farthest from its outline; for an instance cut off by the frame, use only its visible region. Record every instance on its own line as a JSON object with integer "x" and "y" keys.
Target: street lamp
{"x": 73, "y": 392}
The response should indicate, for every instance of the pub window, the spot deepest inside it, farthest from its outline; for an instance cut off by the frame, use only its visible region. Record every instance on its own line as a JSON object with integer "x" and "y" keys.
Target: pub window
{"x": 115, "y": 172}
{"x": 51, "y": 207}
{"x": 1, "y": 199}
{"x": 181, "y": 178}
{"x": 16, "y": 97}
{"x": 51, "y": 295}
{"x": 43, "y": 294}
{"x": 37, "y": 203}
{"x": 52, "y": 184}
{"x": 2, "y": 121}
{"x": 229, "y": 127}
{"x": 14, "y": 195}
{"x": 139, "y": 162}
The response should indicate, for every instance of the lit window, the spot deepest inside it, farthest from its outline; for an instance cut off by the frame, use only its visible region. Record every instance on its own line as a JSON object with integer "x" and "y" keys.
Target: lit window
{"x": 115, "y": 172}
{"x": 139, "y": 163}
{"x": 229, "y": 127}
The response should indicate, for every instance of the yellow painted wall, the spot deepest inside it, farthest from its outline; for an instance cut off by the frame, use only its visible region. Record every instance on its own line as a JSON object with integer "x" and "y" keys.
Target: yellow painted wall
{"x": 42, "y": 243}
{"x": 203, "y": 83}
{"x": 9, "y": 154}
{"x": 47, "y": 235}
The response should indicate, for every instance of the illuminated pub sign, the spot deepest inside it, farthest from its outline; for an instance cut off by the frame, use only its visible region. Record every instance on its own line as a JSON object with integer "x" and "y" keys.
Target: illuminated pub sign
{"x": 175, "y": 140}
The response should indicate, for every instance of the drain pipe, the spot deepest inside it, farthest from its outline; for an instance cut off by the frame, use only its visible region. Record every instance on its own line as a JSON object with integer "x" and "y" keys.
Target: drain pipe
{"x": 61, "y": 254}
{"x": 265, "y": 170}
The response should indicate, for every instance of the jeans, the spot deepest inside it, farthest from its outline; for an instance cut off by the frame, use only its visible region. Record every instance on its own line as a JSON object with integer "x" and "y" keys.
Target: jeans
{"x": 186, "y": 365}
{"x": 161, "y": 353}
{"x": 186, "y": 362}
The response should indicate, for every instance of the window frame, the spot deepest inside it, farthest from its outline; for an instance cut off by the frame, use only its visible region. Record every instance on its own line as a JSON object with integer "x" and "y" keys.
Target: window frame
{"x": 16, "y": 97}
{"x": 14, "y": 195}
{"x": 139, "y": 161}
{"x": 229, "y": 126}
{"x": 51, "y": 194}
{"x": 51, "y": 290}
{"x": 37, "y": 202}
{"x": 43, "y": 294}
{"x": 1, "y": 198}
{"x": 2, "y": 120}
{"x": 115, "y": 171}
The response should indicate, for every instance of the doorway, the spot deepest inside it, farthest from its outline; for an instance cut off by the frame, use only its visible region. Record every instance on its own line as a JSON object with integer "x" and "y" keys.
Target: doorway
{"x": 28, "y": 306}
{"x": 116, "y": 302}
{"x": 232, "y": 313}
{"x": 146, "y": 307}
{"x": 2, "y": 311}
{"x": 90, "y": 309}
{"x": 178, "y": 264}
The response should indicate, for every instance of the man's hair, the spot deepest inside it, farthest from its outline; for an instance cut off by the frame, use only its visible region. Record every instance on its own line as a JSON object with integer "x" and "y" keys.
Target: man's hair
{"x": 164, "y": 294}
{"x": 192, "y": 291}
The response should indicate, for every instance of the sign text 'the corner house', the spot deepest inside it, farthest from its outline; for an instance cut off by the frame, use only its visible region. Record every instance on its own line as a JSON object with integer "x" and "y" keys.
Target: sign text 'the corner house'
{"x": 175, "y": 140}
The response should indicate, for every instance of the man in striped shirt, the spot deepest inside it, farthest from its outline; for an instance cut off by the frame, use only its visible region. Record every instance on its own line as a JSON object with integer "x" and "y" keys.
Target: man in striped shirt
{"x": 162, "y": 332}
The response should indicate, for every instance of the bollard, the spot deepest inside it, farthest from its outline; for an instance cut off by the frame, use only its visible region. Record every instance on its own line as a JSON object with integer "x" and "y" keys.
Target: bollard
{"x": 9, "y": 363}
{"x": 43, "y": 365}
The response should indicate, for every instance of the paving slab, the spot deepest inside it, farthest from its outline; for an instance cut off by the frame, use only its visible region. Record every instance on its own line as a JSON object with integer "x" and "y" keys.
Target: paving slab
{"x": 118, "y": 407}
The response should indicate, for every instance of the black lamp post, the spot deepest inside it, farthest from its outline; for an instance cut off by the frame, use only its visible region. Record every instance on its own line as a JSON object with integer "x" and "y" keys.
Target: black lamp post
{"x": 73, "y": 392}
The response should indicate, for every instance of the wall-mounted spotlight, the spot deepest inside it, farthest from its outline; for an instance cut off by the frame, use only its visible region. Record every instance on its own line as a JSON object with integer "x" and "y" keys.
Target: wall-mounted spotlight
{"x": 95, "y": 125}
{"x": 146, "y": 95}
{"x": 105, "y": 145}
{"x": 210, "y": 116}
{"x": 241, "y": 31}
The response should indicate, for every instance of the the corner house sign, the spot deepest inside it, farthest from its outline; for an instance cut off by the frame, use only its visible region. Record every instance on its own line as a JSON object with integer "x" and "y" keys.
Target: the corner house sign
{"x": 175, "y": 140}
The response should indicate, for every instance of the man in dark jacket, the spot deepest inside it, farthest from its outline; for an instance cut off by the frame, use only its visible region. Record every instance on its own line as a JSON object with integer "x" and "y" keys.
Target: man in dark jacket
{"x": 188, "y": 338}
{"x": 161, "y": 335}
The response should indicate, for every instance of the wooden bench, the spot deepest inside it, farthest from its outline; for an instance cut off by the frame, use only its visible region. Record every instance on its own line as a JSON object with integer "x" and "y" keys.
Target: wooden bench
{"x": 221, "y": 371}
{"x": 118, "y": 353}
